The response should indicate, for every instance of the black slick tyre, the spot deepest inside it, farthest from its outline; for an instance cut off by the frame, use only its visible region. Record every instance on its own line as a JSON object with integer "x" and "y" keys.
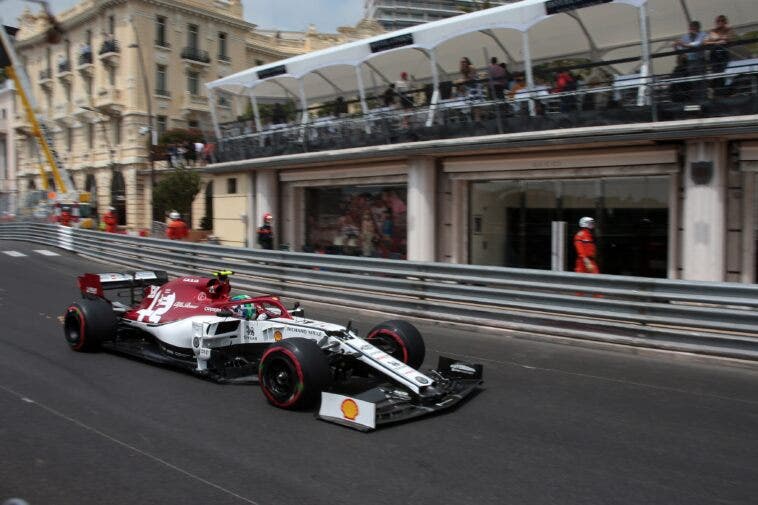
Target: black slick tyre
{"x": 293, "y": 372}
{"x": 399, "y": 339}
{"x": 87, "y": 323}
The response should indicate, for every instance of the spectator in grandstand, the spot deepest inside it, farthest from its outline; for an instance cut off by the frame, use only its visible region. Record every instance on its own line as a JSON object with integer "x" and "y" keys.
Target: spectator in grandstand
{"x": 498, "y": 74}
{"x": 402, "y": 87}
{"x": 717, "y": 41}
{"x": 468, "y": 74}
{"x": 598, "y": 100}
{"x": 565, "y": 82}
{"x": 389, "y": 96}
{"x": 693, "y": 41}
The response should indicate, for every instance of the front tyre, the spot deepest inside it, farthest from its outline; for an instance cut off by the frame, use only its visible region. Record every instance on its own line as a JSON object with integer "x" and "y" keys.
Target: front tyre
{"x": 87, "y": 323}
{"x": 399, "y": 339}
{"x": 293, "y": 372}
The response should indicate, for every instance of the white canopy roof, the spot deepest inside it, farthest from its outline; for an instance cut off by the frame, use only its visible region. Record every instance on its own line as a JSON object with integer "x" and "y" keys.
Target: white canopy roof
{"x": 608, "y": 30}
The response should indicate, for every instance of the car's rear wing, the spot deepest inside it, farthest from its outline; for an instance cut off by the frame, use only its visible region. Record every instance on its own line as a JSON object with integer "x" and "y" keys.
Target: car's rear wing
{"x": 97, "y": 284}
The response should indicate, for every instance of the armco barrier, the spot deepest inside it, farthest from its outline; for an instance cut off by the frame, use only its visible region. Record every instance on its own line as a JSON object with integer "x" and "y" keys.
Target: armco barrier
{"x": 699, "y": 317}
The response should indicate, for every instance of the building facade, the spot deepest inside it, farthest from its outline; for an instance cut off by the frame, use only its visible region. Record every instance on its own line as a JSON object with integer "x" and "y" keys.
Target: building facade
{"x": 8, "y": 187}
{"x": 127, "y": 68}
{"x": 397, "y": 14}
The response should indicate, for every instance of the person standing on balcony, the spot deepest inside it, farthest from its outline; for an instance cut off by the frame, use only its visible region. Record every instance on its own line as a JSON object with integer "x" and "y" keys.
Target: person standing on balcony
{"x": 177, "y": 228}
{"x": 266, "y": 232}
{"x": 717, "y": 41}
{"x": 584, "y": 243}
{"x": 693, "y": 41}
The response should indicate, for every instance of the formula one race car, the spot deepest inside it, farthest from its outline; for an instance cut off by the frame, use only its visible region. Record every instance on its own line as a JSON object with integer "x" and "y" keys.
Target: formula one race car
{"x": 195, "y": 324}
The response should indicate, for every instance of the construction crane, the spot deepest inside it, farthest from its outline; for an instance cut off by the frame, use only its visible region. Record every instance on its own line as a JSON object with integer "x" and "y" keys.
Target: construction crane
{"x": 69, "y": 204}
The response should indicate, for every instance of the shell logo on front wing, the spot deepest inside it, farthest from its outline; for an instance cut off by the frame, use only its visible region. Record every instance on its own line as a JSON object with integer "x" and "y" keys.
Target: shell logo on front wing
{"x": 349, "y": 409}
{"x": 277, "y": 335}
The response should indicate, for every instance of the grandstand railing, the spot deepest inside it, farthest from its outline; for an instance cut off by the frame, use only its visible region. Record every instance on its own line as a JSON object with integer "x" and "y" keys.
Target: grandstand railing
{"x": 629, "y": 99}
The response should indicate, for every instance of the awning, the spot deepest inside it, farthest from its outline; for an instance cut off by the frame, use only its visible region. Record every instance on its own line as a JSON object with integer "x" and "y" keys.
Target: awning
{"x": 603, "y": 30}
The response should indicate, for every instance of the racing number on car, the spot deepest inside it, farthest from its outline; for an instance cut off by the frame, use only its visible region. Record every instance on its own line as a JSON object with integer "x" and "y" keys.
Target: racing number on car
{"x": 156, "y": 309}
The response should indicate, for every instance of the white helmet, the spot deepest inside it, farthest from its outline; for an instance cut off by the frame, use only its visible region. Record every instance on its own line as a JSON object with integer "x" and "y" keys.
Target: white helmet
{"x": 174, "y": 215}
{"x": 587, "y": 222}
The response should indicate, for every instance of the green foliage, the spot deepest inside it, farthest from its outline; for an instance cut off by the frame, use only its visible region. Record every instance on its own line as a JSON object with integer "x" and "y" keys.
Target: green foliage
{"x": 176, "y": 190}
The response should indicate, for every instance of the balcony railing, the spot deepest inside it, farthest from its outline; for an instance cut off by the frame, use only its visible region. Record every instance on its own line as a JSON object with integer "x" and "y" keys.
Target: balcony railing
{"x": 623, "y": 100}
{"x": 109, "y": 46}
{"x": 85, "y": 58}
{"x": 64, "y": 66}
{"x": 224, "y": 57}
{"x": 45, "y": 74}
{"x": 162, "y": 92}
{"x": 195, "y": 54}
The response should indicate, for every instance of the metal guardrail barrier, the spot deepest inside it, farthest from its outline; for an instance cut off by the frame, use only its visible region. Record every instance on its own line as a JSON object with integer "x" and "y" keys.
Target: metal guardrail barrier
{"x": 699, "y": 317}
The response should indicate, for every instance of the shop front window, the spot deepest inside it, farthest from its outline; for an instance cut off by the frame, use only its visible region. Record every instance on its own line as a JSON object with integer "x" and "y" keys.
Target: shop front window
{"x": 511, "y": 222}
{"x": 358, "y": 221}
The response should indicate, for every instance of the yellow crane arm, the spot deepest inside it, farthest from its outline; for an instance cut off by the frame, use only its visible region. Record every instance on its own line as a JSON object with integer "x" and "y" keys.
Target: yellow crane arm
{"x": 38, "y": 134}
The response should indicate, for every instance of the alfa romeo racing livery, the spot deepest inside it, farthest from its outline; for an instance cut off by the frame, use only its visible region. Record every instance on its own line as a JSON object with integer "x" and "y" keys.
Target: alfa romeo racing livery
{"x": 194, "y": 323}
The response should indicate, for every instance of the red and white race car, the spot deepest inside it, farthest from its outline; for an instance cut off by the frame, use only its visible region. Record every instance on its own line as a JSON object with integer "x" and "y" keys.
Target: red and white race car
{"x": 195, "y": 324}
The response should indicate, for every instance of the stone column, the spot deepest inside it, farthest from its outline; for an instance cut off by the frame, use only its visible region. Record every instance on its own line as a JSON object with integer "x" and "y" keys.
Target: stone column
{"x": 422, "y": 197}
{"x": 704, "y": 211}
{"x": 266, "y": 200}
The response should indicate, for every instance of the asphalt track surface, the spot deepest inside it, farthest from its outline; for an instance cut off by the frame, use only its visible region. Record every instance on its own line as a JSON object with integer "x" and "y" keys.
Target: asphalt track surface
{"x": 555, "y": 423}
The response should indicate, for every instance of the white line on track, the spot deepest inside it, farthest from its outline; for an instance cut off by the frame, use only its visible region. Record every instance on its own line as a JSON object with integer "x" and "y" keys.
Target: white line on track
{"x": 15, "y": 254}
{"x": 45, "y": 252}
{"x": 91, "y": 429}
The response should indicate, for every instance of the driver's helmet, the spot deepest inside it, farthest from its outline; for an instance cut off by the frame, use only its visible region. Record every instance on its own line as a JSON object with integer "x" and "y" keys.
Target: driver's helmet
{"x": 245, "y": 310}
{"x": 174, "y": 215}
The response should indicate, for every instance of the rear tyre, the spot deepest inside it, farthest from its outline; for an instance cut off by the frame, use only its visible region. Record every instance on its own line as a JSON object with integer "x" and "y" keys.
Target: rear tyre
{"x": 399, "y": 339}
{"x": 87, "y": 323}
{"x": 293, "y": 372}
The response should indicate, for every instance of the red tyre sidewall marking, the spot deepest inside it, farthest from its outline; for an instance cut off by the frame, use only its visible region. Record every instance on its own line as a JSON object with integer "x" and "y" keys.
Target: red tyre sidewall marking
{"x": 80, "y": 317}
{"x": 298, "y": 369}
{"x": 395, "y": 337}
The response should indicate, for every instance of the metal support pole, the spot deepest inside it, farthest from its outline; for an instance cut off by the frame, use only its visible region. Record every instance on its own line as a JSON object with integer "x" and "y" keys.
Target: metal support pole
{"x": 435, "y": 88}
{"x": 645, "y": 90}
{"x": 256, "y": 116}
{"x": 362, "y": 95}
{"x": 528, "y": 70}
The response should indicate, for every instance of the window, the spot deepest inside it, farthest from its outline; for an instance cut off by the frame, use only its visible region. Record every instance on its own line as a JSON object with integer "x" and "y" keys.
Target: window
{"x": 193, "y": 82}
{"x": 192, "y": 36}
{"x": 192, "y": 123}
{"x": 258, "y": 63}
{"x": 111, "y": 25}
{"x": 88, "y": 37}
{"x": 161, "y": 126}
{"x": 88, "y": 85}
{"x": 69, "y": 139}
{"x": 161, "y": 79}
{"x": 90, "y": 135}
{"x": 112, "y": 75}
{"x": 67, "y": 91}
{"x": 231, "y": 185}
{"x": 222, "y": 55}
{"x": 116, "y": 123}
{"x": 160, "y": 32}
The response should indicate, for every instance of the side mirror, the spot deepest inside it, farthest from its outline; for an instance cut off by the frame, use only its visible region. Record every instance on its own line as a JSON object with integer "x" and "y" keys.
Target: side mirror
{"x": 297, "y": 310}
